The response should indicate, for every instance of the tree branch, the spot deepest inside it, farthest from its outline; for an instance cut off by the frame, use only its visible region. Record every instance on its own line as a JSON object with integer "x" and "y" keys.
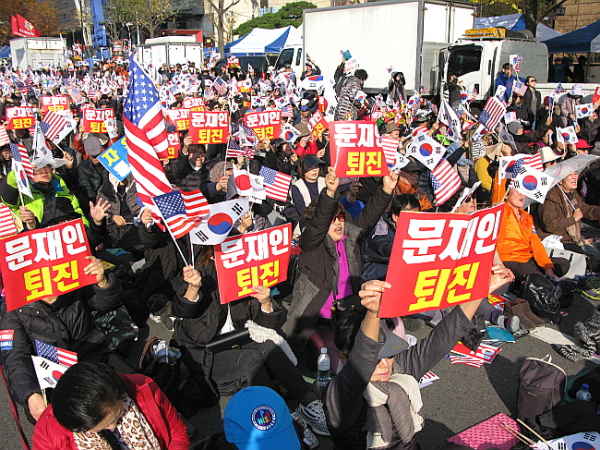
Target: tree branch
{"x": 235, "y": 3}
{"x": 549, "y": 10}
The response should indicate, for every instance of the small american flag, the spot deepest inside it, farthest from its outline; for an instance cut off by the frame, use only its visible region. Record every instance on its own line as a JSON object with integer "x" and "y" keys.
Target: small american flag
{"x": 277, "y": 184}
{"x": 182, "y": 210}
{"x": 220, "y": 85}
{"x": 234, "y": 150}
{"x": 52, "y": 125}
{"x": 492, "y": 112}
{"x": 75, "y": 94}
{"x": 390, "y": 149}
{"x": 19, "y": 154}
{"x": 535, "y": 162}
{"x": 519, "y": 87}
{"x": 473, "y": 95}
{"x": 510, "y": 117}
{"x": 55, "y": 354}
{"x": 445, "y": 181}
{"x": 4, "y": 139}
{"x": 287, "y": 111}
{"x": 7, "y": 223}
{"x": 472, "y": 361}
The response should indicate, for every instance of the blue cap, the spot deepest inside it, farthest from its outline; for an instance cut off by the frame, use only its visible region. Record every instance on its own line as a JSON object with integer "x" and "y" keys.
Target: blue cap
{"x": 257, "y": 418}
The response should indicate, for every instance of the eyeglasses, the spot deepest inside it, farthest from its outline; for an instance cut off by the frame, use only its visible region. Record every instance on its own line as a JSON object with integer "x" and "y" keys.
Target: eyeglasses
{"x": 341, "y": 217}
{"x": 43, "y": 170}
{"x": 533, "y": 81}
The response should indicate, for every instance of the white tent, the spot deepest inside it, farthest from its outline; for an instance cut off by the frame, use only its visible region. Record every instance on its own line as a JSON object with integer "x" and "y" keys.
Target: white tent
{"x": 260, "y": 41}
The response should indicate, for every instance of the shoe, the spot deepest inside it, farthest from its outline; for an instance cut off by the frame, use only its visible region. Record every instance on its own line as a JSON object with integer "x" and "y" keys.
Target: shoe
{"x": 308, "y": 437}
{"x": 516, "y": 309}
{"x": 509, "y": 323}
{"x": 537, "y": 320}
{"x": 315, "y": 417}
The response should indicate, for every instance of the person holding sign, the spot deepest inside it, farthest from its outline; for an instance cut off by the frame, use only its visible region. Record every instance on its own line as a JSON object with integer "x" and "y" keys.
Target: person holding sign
{"x": 63, "y": 321}
{"x": 374, "y": 401}
{"x": 204, "y": 319}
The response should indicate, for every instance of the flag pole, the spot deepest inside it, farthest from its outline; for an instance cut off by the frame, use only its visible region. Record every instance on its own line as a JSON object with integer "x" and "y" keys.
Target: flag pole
{"x": 173, "y": 237}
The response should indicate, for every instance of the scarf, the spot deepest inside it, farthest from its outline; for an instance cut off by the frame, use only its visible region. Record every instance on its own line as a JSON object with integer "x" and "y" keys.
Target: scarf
{"x": 134, "y": 429}
{"x": 574, "y": 231}
{"x": 389, "y": 403}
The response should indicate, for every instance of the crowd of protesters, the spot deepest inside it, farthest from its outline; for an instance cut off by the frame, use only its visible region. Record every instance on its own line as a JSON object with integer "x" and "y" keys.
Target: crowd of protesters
{"x": 344, "y": 230}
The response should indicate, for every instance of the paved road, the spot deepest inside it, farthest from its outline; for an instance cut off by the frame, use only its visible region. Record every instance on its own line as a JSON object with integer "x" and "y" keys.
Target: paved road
{"x": 462, "y": 397}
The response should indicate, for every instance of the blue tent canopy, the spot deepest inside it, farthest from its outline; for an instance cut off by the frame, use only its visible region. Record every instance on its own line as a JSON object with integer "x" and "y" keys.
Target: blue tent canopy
{"x": 514, "y": 22}
{"x": 584, "y": 40}
{"x": 260, "y": 41}
{"x": 5, "y": 52}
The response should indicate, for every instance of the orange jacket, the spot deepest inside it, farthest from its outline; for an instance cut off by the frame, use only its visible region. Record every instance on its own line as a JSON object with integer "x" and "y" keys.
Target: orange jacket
{"x": 518, "y": 240}
{"x": 405, "y": 188}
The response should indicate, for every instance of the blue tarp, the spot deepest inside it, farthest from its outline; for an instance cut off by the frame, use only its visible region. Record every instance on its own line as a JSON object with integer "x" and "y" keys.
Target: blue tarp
{"x": 584, "y": 40}
{"x": 260, "y": 41}
{"x": 515, "y": 22}
{"x": 5, "y": 52}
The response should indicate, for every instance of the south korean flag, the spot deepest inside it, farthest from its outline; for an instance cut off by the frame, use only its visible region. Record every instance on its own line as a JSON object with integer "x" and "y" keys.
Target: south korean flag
{"x": 583, "y": 111}
{"x": 532, "y": 183}
{"x": 426, "y": 150}
{"x": 48, "y": 372}
{"x": 566, "y": 135}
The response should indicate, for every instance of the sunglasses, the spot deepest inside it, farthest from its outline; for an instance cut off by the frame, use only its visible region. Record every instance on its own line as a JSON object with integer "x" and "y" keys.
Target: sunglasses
{"x": 341, "y": 217}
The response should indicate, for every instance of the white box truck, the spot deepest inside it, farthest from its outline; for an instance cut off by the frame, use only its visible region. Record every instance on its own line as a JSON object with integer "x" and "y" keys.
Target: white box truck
{"x": 39, "y": 51}
{"x": 403, "y": 34}
{"x": 171, "y": 50}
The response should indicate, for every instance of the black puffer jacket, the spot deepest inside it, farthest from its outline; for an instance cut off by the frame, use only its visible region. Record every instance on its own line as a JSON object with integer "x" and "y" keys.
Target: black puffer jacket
{"x": 90, "y": 179}
{"x": 67, "y": 323}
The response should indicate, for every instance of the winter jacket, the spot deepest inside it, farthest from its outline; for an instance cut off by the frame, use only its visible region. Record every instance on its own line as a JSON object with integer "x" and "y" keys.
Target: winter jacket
{"x": 346, "y": 99}
{"x": 162, "y": 417}
{"x": 567, "y": 108}
{"x": 523, "y": 141}
{"x": 301, "y": 196}
{"x": 555, "y": 214}
{"x": 518, "y": 240}
{"x": 67, "y": 323}
{"x": 528, "y": 99}
{"x": 91, "y": 178}
{"x": 378, "y": 248}
{"x": 318, "y": 263}
{"x": 188, "y": 179}
{"x": 58, "y": 203}
{"x": 345, "y": 407}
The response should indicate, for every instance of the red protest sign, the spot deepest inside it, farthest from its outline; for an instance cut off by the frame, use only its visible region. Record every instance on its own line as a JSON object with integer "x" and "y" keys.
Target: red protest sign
{"x": 440, "y": 260}
{"x": 174, "y": 145}
{"x": 19, "y": 117}
{"x": 195, "y": 104}
{"x": 209, "y": 127}
{"x": 266, "y": 124}
{"x": 354, "y": 150}
{"x": 55, "y": 103}
{"x": 317, "y": 123}
{"x": 44, "y": 263}
{"x": 596, "y": 95}
{"x": 254, "y": 259}
{"x": 180, "y": 117}
{"x": 93, "y": 119}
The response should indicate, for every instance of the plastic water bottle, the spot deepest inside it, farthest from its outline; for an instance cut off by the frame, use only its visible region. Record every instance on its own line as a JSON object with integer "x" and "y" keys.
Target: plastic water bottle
{"x": 323, "y": 367}
{"x": 584, "y": 393}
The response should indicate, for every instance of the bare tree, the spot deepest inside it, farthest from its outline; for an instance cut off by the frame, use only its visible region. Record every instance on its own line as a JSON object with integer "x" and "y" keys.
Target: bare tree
{"x": 220, "y": 21}
{"x": 153, "y": 13}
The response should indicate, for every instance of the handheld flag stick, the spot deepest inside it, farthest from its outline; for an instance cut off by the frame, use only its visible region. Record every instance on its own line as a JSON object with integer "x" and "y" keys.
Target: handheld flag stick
{"x": 174, "y": 240}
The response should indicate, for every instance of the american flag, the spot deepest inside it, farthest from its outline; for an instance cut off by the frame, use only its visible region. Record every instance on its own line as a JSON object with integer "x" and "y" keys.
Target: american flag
{"x": 473, "y": 95}
{"x": 519, "y": 87}
{"x": 220, "y": 85}
{"x": 535, "y": 162}
{"x": 182, "y": 210}
{"x": 234, "y": 149}
{"x": 445, "y": 182}
{"x": 510, "y": 117}
{"x": 287, "y": 111}
{"x": 146, "y": 135}
{"x": 52, "y": 125}
{"x": 559, "y": 89}
{"x": 277, "y": 184}
{"x": 75, "y": 94}
{"x": 472, "y": 361}
{"x": 390, "y": 149}
{"x": 492, "y": 112}
{"x": 19, "y": 154}
{"x": 7, "y": 223}
{"x": 55, "y": 354}
{"x": 4, "y": 139}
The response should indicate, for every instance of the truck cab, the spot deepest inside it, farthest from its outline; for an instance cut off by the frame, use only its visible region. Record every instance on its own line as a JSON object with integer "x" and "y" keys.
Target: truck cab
{"x": 293, "y": 56}
{"x": 477, "y": 59}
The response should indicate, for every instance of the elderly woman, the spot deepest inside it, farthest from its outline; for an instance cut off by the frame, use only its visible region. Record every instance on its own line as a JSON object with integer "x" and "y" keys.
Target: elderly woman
{"x": 93, "y": 407}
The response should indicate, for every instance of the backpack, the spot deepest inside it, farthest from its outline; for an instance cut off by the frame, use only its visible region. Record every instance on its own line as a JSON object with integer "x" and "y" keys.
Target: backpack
{"x": 541, "y": 387}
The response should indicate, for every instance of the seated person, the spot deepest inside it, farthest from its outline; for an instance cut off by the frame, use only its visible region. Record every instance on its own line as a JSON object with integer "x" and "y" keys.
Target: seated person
{"x": 64, "y": 321}
{"x": 519, "y": 247}
{"x": 94, "y": 407}
{"x": 374, "y": 401}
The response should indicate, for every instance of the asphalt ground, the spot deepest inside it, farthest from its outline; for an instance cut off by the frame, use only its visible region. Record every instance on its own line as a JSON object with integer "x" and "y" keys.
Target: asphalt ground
{"x": 462, "y": 397}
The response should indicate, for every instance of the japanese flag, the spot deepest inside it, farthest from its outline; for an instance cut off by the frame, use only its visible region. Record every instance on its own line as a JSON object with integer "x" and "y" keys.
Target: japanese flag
{"x": 583, "y": 111}
{"x": 219, "y": 222}
{"x": 426, "y": 150}
{"x": 248, "y": 185}
{"x": 532, "y": 183}
{"x": 48, "y": 372}
{"x": 566, "y": 135}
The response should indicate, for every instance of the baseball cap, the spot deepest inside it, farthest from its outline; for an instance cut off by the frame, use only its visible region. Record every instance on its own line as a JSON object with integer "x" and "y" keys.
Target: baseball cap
{"x": 257, "y": 418}
{"x": 582, "y": 144}
{"x": 394, "y": 344}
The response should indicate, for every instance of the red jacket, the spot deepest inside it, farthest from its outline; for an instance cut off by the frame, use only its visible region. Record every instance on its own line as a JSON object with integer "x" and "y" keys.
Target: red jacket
{"x": 161, "y": 415}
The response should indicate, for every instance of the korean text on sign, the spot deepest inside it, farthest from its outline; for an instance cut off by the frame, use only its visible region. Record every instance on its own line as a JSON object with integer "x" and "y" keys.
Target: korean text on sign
{"x": 266, "y": 125}
{"x": 254, "y": 259}
{"x": 194, "y": 103}
{"x": 93, "y": 119}
{"x": 180, "y": 117}
{"x": 174, "y": 145}
{"x": 440, "y": 260}
{"x": 55, "y": 103}
{"x": 44, "y": 263}
{"x": 115, "y": 159}
{"x": 354, "y": 150}
{"x": 317, "y": 123}
{"x": 209, "y": 127}
{"x": 19, "y": 117}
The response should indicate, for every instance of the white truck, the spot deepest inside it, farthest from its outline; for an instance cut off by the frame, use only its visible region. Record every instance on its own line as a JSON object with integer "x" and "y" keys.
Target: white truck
{"x": 403, "y": 34}
{"x": 171, "y": 50}
{"x": 36, "y": 51}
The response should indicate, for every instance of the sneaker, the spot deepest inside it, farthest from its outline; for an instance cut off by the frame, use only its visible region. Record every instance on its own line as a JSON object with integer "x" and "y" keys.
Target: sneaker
{"x": 308, "y": 437}
{"x": 511, "y": 324}
{"x": 314, "y": 416}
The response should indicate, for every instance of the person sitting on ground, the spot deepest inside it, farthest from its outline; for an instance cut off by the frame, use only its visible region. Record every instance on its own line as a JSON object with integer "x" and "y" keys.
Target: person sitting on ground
{"x": 93, "y": 407}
